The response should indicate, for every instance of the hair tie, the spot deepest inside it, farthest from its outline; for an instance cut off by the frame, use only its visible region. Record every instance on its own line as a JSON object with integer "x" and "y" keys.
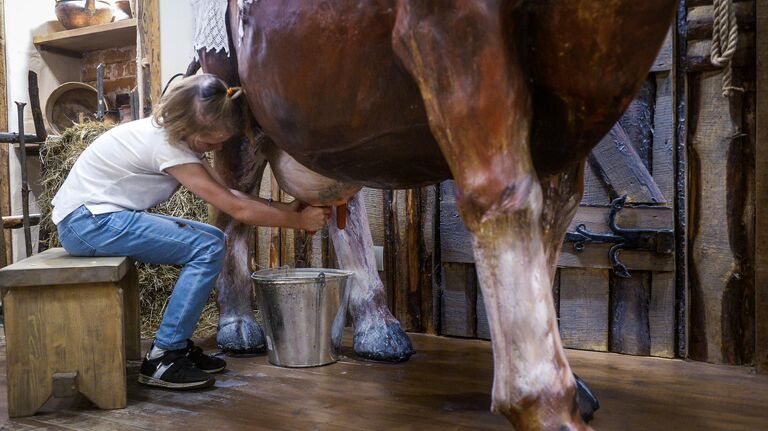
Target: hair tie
{"x": 234, "y": 92}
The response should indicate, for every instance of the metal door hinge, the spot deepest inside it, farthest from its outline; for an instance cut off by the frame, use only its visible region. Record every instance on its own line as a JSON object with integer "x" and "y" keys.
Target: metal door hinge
{"x": 655, "y": 240}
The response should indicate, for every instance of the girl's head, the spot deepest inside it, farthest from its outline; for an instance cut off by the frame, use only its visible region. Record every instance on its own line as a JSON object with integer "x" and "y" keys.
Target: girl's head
{"x": 201, "y": 111}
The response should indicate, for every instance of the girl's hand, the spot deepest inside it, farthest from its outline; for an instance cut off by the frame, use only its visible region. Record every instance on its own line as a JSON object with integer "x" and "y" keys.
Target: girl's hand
{"x": 314, "y": 218}
{"x": 296, "y": 206}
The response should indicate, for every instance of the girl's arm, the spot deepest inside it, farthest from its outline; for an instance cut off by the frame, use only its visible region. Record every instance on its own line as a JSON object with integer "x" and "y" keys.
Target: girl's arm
{"x": 212, "y": 172}
{"x": 199, "y": 181}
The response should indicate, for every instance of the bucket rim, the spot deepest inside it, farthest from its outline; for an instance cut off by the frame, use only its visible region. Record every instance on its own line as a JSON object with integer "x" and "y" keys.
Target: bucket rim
{"x": 310, "y": 275}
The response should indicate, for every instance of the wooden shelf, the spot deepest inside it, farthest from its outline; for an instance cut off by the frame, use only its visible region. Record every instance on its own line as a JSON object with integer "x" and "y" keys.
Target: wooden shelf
{"x": 80, "y": 40}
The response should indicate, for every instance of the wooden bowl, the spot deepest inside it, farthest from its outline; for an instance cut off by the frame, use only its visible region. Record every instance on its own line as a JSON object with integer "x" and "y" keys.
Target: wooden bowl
{"x": 83, "y": 13}
{"x": 67, "y": 102}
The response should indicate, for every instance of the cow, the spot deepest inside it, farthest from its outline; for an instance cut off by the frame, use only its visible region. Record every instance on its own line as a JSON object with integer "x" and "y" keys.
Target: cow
{"x": 505, "y": 97}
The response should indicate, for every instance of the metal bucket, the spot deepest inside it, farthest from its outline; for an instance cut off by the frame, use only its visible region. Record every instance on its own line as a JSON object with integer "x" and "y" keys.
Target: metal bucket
{"x": 303, "y": 311}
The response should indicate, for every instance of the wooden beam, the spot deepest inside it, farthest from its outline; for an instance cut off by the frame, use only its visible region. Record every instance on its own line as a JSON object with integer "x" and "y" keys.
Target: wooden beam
{"x": 584, "y": 308}
{"x": 428, "y": 231}
{"x": 761, "y": 200}
{"x": 459, "y": 300}
{"x": 661, "y": 314}
{"x": 6, "y": 254}
{"x": 663, "y": 61}
{"x": 275, "y": 245}
{"x": 680, "y": 145}
{"x": 413, "y": 255}
{"x": 629, "y": 303}
{"x": 700, "y": 19}
{"x": 390, "y": 247}
{"x": 695, "y": 3}
{"x": 15, "y": 222}
{"x": 623, "y": 170}
{"x": 148, "y": 53}
{"x": 401, "y": 275}
{"x": 698, "y": 57}
{"x": 264, "y": 234}
{"x": 663, "y": 137}
{"x": 718, "y": 236}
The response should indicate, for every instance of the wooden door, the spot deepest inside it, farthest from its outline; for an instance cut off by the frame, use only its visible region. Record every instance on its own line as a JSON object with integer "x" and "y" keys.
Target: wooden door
{"x": 598, "y": 309}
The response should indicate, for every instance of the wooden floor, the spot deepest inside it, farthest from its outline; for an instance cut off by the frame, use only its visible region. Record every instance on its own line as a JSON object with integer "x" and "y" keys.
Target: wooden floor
{"x": 445, "y": 386}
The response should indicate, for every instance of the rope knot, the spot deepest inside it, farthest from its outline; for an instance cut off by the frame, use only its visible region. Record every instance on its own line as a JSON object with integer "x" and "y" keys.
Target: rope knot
{"x": 725, "y": 37}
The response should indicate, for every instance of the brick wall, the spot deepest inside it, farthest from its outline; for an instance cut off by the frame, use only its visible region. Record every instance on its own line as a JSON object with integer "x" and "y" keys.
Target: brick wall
{"x": 119, "y": 71}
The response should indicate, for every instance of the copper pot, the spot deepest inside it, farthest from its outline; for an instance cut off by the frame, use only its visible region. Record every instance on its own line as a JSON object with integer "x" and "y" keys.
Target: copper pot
{"x": 82, "y": 13}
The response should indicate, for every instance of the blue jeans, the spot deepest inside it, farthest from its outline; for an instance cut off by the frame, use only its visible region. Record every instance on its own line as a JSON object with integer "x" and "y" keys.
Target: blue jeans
{"x": 156, "y": 239}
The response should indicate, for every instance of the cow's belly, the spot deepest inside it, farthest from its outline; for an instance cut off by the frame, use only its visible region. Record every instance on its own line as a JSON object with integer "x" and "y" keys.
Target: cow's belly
{"x": 334, "y": 97}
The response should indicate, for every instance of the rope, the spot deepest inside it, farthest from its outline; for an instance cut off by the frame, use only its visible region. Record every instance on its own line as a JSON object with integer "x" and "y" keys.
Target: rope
{"x": 725, "y": 36}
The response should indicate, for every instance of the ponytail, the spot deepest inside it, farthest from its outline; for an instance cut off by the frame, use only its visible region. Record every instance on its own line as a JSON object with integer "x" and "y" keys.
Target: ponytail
{"x": 198, "y": 103}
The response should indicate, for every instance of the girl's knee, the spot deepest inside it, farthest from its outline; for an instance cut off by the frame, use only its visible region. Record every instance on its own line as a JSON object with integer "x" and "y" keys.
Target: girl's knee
{"x": 218, "y": 251}
{"x": 219, "y": 234}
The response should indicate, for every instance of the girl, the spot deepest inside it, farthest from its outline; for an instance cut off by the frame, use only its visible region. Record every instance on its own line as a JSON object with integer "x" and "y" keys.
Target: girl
{"x": 99, "y": 211}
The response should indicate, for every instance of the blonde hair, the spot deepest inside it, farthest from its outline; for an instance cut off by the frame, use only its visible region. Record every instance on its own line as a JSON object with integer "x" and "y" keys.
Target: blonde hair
{"x": 199, "y": 104}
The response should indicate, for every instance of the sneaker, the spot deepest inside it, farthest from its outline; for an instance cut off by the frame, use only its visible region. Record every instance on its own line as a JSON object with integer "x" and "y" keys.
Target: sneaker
{"x": 207, "y": 363}
{"x": 173, "y": 370}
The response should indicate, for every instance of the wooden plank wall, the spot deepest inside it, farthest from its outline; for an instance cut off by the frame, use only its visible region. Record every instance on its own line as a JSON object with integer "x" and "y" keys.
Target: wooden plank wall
{"x": 761, "y": 198}
{"x": 410, "y": 218}
{"x": 633, "y": 316}
{"x": 462, "y": 311}
{"x": 721, "y": 138}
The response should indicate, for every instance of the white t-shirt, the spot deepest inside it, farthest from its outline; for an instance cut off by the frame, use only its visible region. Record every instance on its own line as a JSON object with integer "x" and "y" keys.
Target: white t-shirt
{"x": 123, "y": 169}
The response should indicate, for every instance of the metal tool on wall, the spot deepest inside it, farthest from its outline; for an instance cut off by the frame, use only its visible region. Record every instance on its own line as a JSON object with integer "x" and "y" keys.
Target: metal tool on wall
{"x": 23, "y": 140}
{"x": 100, "y": 108}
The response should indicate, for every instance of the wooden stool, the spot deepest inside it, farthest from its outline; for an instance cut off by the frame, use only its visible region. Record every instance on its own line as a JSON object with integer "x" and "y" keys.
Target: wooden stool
{"x": 70, "y": 323}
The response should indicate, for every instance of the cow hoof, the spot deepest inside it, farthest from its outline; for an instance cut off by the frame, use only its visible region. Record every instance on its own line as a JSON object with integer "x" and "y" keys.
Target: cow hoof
{"x": 240, "y": 334}
{"x": 384, "y": 341}
{"x": 586, "y": 401}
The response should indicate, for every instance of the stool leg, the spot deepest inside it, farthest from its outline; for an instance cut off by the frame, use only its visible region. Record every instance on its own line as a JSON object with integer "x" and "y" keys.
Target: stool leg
{"x": 130, "y": 284}
{"x": 28, "y": 380}
{"x": 101, "y": 369}
{"x": 67, "y": 328}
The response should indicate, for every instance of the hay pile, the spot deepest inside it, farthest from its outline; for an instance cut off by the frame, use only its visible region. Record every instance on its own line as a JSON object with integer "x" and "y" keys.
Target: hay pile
{"x": 155, "y": 281}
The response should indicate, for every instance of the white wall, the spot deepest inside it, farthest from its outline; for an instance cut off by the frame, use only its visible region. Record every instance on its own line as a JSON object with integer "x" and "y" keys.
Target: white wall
{"x": 23, "y": 19}
{"x": 176, "y": 27}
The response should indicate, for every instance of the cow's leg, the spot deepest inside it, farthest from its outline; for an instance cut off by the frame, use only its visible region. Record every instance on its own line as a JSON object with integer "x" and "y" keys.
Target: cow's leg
{"x": 561, "y": 197}
{"x": 478, "y": 103}
{"x": 378, "y": 334}
{"x": 242, "y": 167}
